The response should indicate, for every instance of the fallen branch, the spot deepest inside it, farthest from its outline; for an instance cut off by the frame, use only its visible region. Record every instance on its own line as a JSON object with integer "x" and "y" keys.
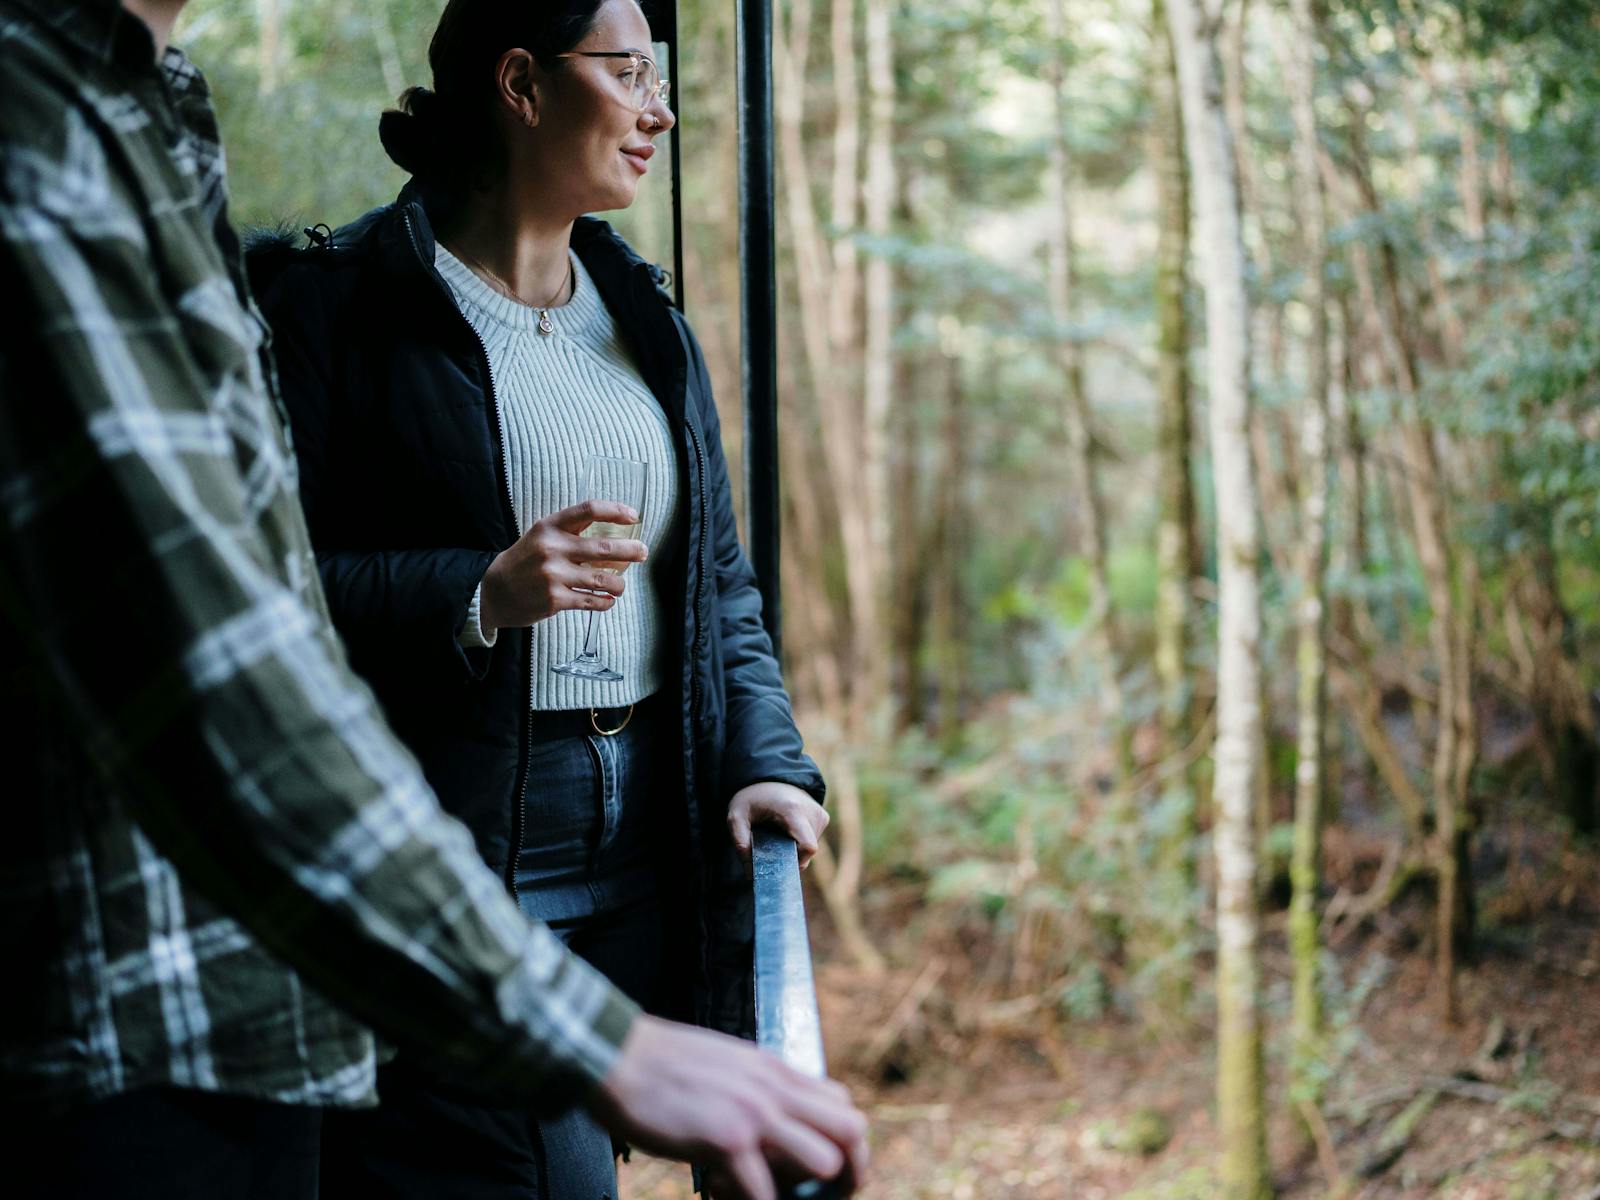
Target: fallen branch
{"x": 904, "y": 1013}
{"x": 1490, "y": 1093}
{"x": 1359, "y": 1110}
{"x": 1176, "y": 764}
{"x": 987, "y": 770}
{"x": 1346, "y": 911}
{"x": 1396, "y": 1135}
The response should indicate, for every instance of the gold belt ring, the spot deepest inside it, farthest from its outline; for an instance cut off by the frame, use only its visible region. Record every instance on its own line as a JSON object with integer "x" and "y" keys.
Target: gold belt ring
{"x": 594, "y": 723}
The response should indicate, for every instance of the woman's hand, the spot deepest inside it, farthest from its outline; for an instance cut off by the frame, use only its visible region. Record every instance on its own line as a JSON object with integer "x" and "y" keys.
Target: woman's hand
{"x": 777, "y": 804}
{"x": 551, "y": 568}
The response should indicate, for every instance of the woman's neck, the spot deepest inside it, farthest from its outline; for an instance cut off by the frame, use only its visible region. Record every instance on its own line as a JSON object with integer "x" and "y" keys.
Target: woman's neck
{"x": 525, "y": 254}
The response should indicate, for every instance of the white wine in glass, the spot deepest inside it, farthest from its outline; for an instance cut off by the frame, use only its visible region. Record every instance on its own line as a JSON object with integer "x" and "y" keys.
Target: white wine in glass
{"x": 621, "y": 480}
{"x": 610, "y": 529}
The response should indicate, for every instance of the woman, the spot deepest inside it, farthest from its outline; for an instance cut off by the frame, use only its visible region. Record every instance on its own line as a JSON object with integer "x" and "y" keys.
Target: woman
{"x": 450, "y": 363}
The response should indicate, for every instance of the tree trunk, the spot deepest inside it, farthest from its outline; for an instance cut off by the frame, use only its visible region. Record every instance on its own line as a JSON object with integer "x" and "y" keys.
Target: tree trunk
{"x": 878, "y": 365}
{"x": 269, "y": 17}
{"x": 1564, "y": 716}
{"x": 1450, "y": 600}
{"x": 909, "y": 584}
{"x": 1239, "y": 749}
{"x": 1310, "y": 768}
{"x": 839, "y": 431}
{"x": 947, "y": 619}
{"x": 394, "y": 74}
{"x": 1080, "y": 437}
{"x": 1176, "y": 556}
{"x": 845, "y": 195}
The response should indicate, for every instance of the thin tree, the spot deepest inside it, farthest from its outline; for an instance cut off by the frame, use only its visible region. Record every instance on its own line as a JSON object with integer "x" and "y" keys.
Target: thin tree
{"x": 1311, "y": 650}
{"x": 269, "y": 44}
{"x": 824, "y": 506}
{"x": 1176, "y": 555}
{"x": 1076, "y": 412}
{"x": 1239, "y": 725}
{"x": 878, "y": 374}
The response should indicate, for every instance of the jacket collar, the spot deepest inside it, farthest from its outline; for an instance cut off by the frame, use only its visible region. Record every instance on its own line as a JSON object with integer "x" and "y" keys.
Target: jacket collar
{"x": 400, "y": 239}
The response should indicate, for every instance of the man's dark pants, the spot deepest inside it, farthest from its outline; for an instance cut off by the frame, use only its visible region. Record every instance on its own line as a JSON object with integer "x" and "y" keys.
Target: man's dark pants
{"x": 165, "y": 1143}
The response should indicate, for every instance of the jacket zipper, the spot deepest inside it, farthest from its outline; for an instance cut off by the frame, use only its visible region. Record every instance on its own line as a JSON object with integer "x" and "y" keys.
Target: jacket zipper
{"x": 700, "y": 575}
{"x": 518, "y": 809}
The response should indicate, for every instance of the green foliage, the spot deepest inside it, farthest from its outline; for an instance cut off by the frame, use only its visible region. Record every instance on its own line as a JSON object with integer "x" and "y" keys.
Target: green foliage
{"x": 1192, "y": 1183}
{"x": 306, "y": 149}
{"x": 1342, "y": 1003}
{"x": 1145, "y": 1131}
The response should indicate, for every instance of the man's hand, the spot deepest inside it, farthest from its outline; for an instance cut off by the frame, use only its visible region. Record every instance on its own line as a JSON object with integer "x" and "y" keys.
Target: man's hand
{"x": 737, "y": 1111}
{"x": 777, "y": 804}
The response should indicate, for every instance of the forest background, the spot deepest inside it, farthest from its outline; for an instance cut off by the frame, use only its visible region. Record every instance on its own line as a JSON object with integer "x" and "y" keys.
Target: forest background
{"x": 1191, "y": 432}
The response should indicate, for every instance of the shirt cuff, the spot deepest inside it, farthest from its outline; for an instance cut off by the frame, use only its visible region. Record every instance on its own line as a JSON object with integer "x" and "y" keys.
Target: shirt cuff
{"x": 472, "y": 636}
{"x": 574, "y": 1023}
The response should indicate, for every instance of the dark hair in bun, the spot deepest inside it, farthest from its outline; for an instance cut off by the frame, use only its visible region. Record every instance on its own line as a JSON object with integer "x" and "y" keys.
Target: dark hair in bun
{"x": 445, "y": 135}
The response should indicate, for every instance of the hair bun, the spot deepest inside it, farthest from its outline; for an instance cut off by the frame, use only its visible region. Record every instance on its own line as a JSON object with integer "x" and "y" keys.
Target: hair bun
{"x": 412, "y": 134}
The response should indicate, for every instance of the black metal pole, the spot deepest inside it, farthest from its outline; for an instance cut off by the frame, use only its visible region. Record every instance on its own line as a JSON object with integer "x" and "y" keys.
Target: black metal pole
{"x": 676, "y": 144}
{"x": 663, "y": 18}
{"x": 787, "y": 1021}
{"x": 758, "y": 304}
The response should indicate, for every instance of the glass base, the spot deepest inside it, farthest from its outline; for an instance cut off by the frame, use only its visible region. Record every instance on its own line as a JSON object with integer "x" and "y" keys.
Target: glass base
{"x": 588, "y": 666}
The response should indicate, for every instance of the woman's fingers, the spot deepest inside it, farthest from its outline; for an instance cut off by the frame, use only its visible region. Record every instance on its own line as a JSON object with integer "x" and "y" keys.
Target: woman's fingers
{"x": 579, "y": 517}
{"x": 581, "y": 601}
{"x": 594, "y": 579}
{"x": 739, "y": 828}
{"x": 805, "y": 820}
{"x": 801, "y": 817}
{"x": 592, "y": 552}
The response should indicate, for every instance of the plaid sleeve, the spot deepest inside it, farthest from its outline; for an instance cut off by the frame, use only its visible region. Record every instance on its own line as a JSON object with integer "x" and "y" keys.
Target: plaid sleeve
{"x": 152, "y": 552}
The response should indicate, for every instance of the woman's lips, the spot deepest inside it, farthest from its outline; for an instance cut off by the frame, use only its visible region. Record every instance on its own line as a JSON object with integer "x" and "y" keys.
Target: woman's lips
{"x": 638, "y": 157}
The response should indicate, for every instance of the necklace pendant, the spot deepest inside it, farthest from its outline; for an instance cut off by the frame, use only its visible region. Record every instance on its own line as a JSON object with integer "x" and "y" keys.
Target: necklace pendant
{"x": 545, "y": 326}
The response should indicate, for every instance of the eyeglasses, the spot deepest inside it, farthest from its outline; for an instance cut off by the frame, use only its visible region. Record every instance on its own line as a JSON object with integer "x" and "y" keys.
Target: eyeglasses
{"x": 642, "y": 77}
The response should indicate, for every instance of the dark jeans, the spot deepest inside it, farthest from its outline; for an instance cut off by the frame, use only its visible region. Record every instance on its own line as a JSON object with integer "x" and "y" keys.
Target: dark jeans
{"x": 590, "y": 869}
{"x": 167, "y": 1144}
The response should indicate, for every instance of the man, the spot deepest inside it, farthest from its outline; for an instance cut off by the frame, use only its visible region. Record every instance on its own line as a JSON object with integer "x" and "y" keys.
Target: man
{"x": 200, "y": 791}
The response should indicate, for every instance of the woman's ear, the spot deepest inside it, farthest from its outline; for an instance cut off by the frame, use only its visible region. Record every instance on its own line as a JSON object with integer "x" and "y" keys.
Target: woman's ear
{"x": 517, "y": 84}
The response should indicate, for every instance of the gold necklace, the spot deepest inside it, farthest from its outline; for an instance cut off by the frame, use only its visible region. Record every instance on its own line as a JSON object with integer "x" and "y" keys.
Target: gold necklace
{"x": 505, "y": 289}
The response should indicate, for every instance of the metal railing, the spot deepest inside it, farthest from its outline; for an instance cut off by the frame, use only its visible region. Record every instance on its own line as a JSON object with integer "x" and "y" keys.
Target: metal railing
{"x": 787, "y": 1021}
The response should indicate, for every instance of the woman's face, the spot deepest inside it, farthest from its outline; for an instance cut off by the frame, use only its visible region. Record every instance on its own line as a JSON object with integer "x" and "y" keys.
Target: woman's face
{"x": 594, "y": 144}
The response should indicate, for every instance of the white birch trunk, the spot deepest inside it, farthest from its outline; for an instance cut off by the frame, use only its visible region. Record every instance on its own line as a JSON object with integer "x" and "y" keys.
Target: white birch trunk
{"x": 1310, "y": 769}
{"x": 1239, "y": 729}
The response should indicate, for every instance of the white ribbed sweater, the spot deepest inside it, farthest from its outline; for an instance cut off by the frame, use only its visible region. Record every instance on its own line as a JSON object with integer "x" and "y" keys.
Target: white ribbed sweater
{"x": 562, "y": 397}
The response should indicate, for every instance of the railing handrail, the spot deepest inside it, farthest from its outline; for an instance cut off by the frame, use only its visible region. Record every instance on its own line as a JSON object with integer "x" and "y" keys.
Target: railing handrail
{"x": 787, "y": 1021}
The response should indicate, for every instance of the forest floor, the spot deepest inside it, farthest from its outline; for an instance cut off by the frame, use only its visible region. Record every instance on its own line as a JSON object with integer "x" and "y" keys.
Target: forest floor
{"x": 1000, "y": 1100}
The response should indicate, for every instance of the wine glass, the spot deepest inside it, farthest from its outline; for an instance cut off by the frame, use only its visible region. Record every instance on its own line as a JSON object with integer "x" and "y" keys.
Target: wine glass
{"x": 622, "y": 480}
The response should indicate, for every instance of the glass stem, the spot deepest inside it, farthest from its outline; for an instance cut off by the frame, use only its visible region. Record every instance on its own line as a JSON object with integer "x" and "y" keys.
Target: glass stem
{"x": 588, "y": 637}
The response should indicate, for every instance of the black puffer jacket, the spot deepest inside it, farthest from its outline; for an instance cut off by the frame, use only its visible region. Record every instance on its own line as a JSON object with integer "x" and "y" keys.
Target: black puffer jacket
{"x": 403, "y": 482}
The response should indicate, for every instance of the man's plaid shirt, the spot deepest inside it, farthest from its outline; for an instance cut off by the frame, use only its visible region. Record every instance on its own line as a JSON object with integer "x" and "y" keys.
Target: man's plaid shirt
{"x": 192, "y": 776}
